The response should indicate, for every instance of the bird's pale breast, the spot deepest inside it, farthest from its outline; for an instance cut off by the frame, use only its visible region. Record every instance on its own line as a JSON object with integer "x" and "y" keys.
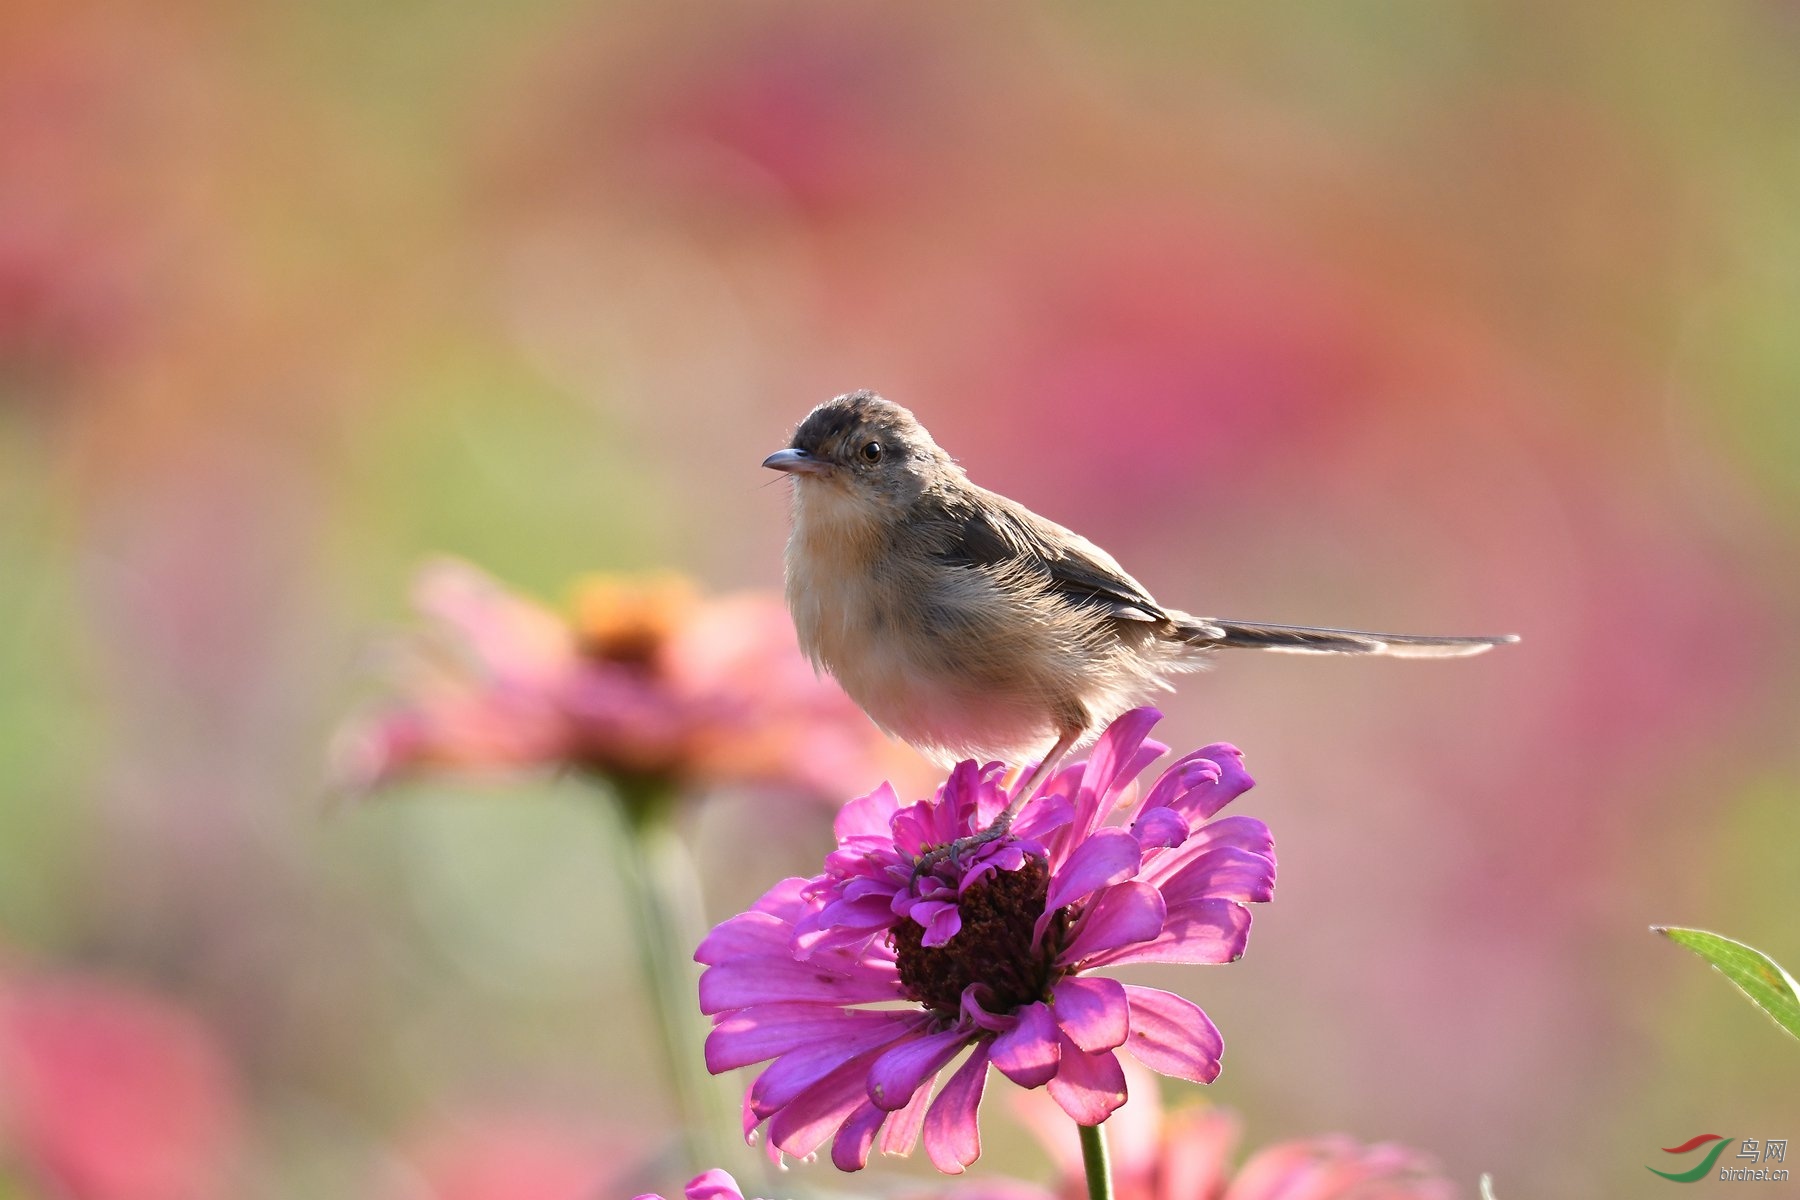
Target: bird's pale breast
{"x": 958, "y": 661}
{"x": 915, "y": 649}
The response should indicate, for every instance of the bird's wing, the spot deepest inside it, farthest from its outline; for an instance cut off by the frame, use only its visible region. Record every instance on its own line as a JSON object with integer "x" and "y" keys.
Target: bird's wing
{"x": 995, "y": 532}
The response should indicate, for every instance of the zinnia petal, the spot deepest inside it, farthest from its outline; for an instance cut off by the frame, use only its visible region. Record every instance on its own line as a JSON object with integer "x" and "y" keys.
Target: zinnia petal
{"x": 764, "y": 1031}
{"x": 1210, "y": 931}
{"x": 800, "y": 1069}
{"x": 907, "y": 1067}
{"x": 1212, "y": 795}
{"x": 1223, "y": 872}
{"x": 1247, "y": 833}
{"x": 1088, "y": 1086}
{"x": 1045, "y": 815}
{"x": 1116, "y": 759}
{"x": 1109, "y": 856}
{"x": 763, "y": 929}
{"x": 1091, "y": 1011}
{"x": 842, "y": 924}
{"x": 943, "y": 922}
{"x": 952, "y": 1136}
{"x": 1027, "y": 1053}
{"x": 741, "y": 983}
{"x": 803, "y": 1125}
{"x": 867, "y": 816}
{"x": 1160, "y": 828}
{"x": 850, "y": 1148}
{"x": 713, "y": 1185}
{"x": 902, "y": 1131}
{"x": 1173, "y": 1035}
{"x": 1123, "y": 915}
{"x": 1180, "y": 777}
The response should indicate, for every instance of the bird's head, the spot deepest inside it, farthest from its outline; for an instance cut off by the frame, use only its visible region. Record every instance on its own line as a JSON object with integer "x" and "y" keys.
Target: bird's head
{"x": 863, "y": 450}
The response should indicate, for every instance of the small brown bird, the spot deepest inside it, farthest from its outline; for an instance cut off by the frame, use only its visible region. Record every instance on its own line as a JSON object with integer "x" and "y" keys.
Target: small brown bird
{"x": 968, "y": 625}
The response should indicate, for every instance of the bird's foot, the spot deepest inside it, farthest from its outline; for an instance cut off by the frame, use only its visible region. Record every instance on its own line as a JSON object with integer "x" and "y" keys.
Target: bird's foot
{"x": 951, "y": 851}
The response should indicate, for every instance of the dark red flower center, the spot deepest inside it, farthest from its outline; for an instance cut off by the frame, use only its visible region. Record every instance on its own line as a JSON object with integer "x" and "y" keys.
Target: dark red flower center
{"x": 993, "y": 947}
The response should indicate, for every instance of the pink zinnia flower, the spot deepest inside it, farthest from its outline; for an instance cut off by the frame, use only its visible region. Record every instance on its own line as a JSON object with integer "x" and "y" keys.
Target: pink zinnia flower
{"x": 1186, "y": 1155}
{"x": 708, "y": 1185}
{"x": 646, "y": 683}
{"x": 992, "y": 951}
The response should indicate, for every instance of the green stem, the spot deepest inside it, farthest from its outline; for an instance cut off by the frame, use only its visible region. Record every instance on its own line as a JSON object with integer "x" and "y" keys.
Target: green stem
{"x": 1095, "y": 1162}
{"x": 664, "y": 896}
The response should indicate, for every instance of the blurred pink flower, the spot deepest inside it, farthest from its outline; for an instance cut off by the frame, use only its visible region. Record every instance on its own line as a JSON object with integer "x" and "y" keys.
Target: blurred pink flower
{"x": 708, "y": 1185}
{"x": 108, "y": 1092}
{"x": 647, "y": 684}
{"x": 992, "y": 948}
{"x": 1185, "y": 1155}
{"x": 825, "y": 107}
{"x": 1246, "y": 354}
{"x": 509, "y": 1157}
{"x": 77, "y": 228}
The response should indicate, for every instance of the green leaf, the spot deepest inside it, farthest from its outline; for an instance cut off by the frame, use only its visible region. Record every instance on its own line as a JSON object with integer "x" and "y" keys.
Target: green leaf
{"x": 1756, "y": 974}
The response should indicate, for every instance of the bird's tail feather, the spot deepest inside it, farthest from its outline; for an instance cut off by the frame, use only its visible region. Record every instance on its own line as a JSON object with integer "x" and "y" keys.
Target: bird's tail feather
{"x": 1209, "y": 632}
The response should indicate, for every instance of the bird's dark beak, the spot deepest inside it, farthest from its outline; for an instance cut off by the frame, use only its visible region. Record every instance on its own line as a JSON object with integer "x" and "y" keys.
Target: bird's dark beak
{"x": 796, "y": 462}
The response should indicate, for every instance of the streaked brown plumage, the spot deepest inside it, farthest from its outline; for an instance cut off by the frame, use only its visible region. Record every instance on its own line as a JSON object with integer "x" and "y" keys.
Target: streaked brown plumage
{"x": 968, "y": 625}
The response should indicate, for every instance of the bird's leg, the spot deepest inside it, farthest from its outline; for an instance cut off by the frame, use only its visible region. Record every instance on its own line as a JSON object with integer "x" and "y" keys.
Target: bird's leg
{"x": 1000, "y": 824}
{"x": 1038, "y": 775}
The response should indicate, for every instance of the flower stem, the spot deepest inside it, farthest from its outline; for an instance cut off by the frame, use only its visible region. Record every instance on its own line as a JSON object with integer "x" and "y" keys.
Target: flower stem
{"x": 664, "y": 896}
{"x": 1095, "y": 1162}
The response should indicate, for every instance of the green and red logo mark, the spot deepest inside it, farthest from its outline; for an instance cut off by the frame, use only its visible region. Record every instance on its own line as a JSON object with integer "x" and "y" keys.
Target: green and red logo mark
{"x": 1705, "y": 1166}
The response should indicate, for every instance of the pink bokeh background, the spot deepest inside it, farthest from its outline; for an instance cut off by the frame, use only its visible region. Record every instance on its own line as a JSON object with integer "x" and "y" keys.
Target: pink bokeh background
{"x": 1469, "y": 318}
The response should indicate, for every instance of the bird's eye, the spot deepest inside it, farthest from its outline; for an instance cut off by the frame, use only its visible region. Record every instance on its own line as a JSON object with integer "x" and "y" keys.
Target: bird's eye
{"x": 871, "y": 452}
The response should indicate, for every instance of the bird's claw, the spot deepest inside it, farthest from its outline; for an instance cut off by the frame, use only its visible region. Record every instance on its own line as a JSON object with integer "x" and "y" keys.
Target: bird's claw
{"x": 951, "y": 851}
